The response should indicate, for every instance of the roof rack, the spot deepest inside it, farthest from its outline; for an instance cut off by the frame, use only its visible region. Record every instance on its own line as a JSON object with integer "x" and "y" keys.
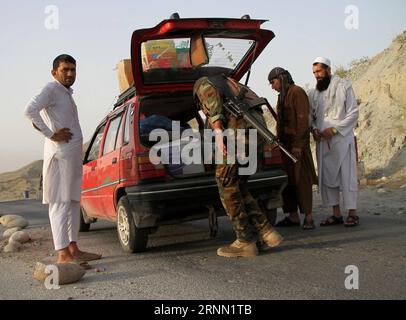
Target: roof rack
{"x": 122, "y": 98}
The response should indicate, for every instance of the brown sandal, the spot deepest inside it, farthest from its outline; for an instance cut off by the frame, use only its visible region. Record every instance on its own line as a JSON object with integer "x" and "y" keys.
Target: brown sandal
{"x": 308, "y": 224}
{"x": 351, "y": 221}
{"x": 333, "y": 220}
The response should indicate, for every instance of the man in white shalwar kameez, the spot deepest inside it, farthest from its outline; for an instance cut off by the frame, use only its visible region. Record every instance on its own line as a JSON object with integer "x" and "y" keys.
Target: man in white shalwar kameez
{"x": 54, "y": 113}
{"x": 334, "y": 111}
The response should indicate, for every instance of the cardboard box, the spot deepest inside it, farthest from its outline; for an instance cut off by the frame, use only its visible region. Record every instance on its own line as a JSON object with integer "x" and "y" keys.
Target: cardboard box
{"x": 183, "y": 57}
{"x": 125, "y": 75}
{"x": 159, "y": 54}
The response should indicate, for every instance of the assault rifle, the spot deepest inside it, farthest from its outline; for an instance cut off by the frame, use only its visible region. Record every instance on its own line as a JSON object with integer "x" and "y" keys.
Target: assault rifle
{"x": 239, "y": 108}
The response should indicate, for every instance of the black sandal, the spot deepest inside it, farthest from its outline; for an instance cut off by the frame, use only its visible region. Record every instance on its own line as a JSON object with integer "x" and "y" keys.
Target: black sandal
{"x": 333, "y": 220}
{"x": 308, "y": 224}
{"x": 351, "y": 221}
{"x": 287, "y": 223}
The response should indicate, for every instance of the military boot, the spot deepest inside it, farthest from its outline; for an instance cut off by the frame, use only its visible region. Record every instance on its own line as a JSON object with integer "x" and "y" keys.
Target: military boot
{"x": 239, "y": 248}
{"x": 271, "y": 238}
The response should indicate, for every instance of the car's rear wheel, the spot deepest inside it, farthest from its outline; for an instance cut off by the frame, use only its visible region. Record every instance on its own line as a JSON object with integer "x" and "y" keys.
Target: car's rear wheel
{"x": 132, "y": 239}
{"x": 271, "y": 214}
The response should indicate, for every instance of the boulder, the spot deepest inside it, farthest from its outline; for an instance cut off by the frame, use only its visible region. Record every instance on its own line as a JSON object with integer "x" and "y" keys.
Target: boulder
{"x": 20, "y": 236}
{"x": 5, "y": 220}
{"x": 12, "y": 247}
{"x": 363, "y": 182}
{"x": 68, "y": 273}
{"x": 8, "y": 233}
{"x": 12, "y": 221}
{"x": 19, "y": 223}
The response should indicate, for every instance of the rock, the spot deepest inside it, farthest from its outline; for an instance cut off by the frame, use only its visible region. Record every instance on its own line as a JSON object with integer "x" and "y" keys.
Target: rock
{"x": 5, "y": 220}
{"x": 68, "y": 272}
{"x": 381, "y": 191}
{"x": 12, "y": 221}
{"x": 402, "y": 187}
{"x": 20, "y": 236}
{"x": 12, "y": 247}
{"x": 20, "y": 222}
{"x": 363, "y": 182}
{"x": 7, "y": 234}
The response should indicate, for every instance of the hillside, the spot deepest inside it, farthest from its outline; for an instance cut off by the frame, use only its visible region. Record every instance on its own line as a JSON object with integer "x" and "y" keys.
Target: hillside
{"x": 13, "y": 184}
{"x": 380, "y": 86}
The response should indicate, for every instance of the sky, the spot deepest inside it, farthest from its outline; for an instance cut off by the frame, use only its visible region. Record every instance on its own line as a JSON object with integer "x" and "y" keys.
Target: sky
{"x": 98, "y": 35}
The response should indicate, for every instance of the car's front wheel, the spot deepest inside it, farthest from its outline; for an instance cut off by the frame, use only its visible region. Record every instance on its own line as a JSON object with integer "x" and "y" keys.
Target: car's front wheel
{"x": 132, "y": 239}
{"x": 83, "y": 226}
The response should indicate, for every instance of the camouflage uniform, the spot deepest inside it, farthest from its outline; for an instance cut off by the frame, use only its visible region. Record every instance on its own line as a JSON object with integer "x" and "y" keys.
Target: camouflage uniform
{"x": 243, "y": 210}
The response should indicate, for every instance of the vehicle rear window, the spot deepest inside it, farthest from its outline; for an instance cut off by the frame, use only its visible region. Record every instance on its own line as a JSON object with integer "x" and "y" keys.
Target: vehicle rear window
{"x": 168, "y": 60}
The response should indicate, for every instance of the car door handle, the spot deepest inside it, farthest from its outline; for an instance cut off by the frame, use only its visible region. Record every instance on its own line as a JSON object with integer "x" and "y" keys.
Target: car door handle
{"x": 114, "y": 161}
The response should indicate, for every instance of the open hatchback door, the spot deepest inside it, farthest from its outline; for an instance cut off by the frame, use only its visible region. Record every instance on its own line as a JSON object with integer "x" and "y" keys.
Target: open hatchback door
{"x": 173, "y": 55}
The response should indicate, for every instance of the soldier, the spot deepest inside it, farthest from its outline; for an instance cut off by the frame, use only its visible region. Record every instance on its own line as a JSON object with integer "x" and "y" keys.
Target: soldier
{"x": 243, "y": 210}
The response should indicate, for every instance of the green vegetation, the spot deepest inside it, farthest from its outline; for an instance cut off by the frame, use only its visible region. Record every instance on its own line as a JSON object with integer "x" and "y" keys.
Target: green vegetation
{"x": 343, "y": 72}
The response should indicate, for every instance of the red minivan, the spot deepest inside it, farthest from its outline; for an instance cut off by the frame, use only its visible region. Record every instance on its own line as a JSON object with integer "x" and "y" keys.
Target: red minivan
{"x": 120, "y": 182}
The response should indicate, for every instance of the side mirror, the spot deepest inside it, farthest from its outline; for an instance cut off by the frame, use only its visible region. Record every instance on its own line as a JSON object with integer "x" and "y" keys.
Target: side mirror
{"x": 198, "y": 51}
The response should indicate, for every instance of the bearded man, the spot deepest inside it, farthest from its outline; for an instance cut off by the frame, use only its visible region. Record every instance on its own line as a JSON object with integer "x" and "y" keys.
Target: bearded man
{"x": 335, "y": 113}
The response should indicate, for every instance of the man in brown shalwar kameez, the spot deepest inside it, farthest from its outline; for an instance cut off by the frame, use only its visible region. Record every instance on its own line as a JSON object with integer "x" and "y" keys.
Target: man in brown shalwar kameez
{"x": 293, "y": 131}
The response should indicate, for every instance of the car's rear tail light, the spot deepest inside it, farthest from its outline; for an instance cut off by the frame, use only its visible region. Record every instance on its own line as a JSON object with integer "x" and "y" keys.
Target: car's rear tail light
{"x": 272, "y": 155}
{"x": 147, "y": 170}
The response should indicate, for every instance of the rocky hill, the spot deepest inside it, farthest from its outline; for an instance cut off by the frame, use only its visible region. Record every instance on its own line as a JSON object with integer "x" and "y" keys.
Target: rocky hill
{"x": 380, "y": 86}
{"x": 13, "y": 184}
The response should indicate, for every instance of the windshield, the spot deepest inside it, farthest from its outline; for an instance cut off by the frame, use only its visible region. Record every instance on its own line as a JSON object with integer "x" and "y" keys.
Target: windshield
{"x": 168, "y": 60}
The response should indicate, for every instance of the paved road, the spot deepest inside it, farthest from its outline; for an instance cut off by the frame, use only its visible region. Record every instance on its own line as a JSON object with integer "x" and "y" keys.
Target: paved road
{"x": 181, "y": 263}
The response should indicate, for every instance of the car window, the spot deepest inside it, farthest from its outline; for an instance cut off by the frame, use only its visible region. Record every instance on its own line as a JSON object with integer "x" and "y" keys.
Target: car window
{"x": 94, "y": 149}
{"x": 167, "y": 60}
{"x": 111, "y": 137}
{"x": 127, "y": 124}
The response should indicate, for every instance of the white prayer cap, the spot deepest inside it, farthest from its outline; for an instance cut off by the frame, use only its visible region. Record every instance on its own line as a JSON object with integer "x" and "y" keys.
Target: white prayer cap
{"x": 325, "y": 61}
